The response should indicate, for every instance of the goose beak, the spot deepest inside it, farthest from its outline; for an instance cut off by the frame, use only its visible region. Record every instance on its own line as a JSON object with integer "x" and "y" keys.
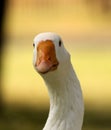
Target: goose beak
{"x": 46, "y": 57}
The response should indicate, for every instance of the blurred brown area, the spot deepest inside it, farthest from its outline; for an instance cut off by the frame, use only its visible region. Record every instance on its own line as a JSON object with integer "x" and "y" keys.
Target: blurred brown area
{"x": 85, "y": 27}
{"x": 103, "y": 5}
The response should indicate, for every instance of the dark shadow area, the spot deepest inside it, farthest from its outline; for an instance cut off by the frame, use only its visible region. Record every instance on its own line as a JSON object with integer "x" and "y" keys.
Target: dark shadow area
{"x": 24, "y": 118}
{"x": 97, "y": 119}
{"x": 2, "y": 16}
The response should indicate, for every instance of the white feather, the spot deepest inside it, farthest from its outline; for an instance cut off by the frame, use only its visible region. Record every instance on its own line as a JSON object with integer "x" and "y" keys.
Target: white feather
{"x": 66, "y": 101}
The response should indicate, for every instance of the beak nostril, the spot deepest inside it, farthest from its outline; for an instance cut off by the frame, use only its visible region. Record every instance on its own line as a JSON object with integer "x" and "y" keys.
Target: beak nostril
{"x": 49, "y": 58}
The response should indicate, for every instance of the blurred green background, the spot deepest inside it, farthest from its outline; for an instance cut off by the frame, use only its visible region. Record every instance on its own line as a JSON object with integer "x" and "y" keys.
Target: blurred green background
{"x": 85, "y": 27}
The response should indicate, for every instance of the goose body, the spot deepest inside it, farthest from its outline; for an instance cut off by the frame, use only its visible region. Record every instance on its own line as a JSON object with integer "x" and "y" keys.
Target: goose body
{"x": 52, "y": 61}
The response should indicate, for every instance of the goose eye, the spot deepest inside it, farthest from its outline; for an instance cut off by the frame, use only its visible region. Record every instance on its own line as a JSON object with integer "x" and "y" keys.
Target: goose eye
{"x": 33, "y": 45}
{"x": 60, "y": 43}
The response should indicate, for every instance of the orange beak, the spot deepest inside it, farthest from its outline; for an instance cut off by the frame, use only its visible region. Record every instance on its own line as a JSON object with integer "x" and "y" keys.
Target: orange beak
{"x": 46, "y": 57}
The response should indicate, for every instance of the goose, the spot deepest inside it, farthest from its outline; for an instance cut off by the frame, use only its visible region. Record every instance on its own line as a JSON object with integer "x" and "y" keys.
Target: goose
{"x": 52, "y": 61}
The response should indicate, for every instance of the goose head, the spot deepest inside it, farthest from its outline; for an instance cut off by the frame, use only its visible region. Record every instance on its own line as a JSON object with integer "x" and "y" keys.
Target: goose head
{"x": 52, "y": 61}
{"x": 49, "y": 53}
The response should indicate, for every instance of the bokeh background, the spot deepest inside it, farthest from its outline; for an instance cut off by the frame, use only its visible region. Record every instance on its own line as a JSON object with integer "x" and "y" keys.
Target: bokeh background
{"x": 85, "y": 27}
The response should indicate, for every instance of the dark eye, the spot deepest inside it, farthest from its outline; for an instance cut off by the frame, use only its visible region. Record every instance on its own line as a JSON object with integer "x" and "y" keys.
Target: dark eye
{"x": 60, "y": 42}
{"x": 33, "y": 45}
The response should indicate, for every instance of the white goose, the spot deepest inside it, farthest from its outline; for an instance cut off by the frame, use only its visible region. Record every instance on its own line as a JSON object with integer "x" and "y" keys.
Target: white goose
{"x": 52, "y": 62}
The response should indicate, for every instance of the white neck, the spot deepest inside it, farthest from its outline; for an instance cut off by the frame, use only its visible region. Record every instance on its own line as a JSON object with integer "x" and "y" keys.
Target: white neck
{"x": 66, "y": 102}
